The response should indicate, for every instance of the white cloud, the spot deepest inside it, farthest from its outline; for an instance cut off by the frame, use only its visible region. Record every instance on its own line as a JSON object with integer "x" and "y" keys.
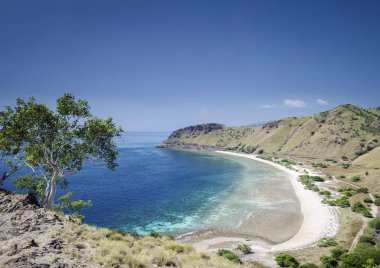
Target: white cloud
{"x": 295, "y": 103}
{"x": 322, "y": 102}
{"x": 268, "y": 106}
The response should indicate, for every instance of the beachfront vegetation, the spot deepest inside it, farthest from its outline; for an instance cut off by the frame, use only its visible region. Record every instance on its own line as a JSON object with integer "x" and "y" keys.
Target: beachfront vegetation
{"x": 54, "y": 144}
{"x": 375, "y": 224}
{"x": 362, "y": 209}
{"x": 244, "y": 248}
{"x": 327, "y": 242}
{"x": 229, "y": 255}
{"x": 286, "y": 260}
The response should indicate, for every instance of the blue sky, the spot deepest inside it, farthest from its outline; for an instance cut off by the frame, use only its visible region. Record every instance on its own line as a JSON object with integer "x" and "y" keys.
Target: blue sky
{"x": 162, "y": 65}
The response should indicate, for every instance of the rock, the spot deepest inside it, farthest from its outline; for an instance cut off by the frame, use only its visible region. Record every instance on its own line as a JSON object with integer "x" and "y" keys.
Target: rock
{"x": 28, "y": 243}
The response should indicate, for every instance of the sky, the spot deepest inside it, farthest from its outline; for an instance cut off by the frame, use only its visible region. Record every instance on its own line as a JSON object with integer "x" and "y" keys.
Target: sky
{"x": 161, "y": 65}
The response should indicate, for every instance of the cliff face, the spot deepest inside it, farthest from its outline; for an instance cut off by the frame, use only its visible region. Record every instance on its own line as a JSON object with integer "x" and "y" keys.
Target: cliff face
{"x": 25, "y": 230}
{"x": 344, "y": 131}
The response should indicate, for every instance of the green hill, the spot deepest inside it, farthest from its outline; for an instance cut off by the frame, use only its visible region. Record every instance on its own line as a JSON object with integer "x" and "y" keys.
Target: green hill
{"x": 347, "y": 130}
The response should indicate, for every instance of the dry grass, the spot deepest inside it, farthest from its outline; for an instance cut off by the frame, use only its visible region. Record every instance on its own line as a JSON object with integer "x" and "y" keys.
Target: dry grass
{"x": 104, "y": 247}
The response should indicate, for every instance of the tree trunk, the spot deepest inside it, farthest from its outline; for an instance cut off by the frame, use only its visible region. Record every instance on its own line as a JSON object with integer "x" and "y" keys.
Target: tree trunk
{"x": 53, "y": 190}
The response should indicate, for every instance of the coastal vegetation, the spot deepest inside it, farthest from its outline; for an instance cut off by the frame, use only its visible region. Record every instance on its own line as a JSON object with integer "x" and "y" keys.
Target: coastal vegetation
{"x": 53, "y": 145}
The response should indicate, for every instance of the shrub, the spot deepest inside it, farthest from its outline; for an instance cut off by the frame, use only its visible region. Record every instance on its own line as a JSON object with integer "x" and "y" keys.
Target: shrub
{"x": 342, "y": 176}
{"x": 337, "y": 252}
{"x": 327, "y": 242}
{"x": 355, "y": 178}
{"x": 375, "y": 224}
{"x": 286, "y": 260}
{"x": 367, "y": 199}
{"x": 341, "y": 202}
{"x": 229, "y": 255}
{"x": 377, "y": 202}
{"x": 359, "y": 257}
{"x": 344, "y": 158}
{"x": 325, "y": 192}
{"x": 362, "y": 209}
{"x": 367, "y": 239}
{"x": 244, "y": 248}
{"x": 362, "y": 190}
{"x": 329, "y": 261}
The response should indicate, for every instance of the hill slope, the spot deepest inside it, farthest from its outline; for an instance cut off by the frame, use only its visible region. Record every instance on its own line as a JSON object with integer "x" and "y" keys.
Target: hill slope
{"x": 31, "y": 236}
{"x": 347, "y": 130}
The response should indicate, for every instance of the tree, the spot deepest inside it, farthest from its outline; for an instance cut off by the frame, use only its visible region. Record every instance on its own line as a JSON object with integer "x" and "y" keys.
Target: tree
{"x": 12, "y": 135}
{"x": 56, "y": 144}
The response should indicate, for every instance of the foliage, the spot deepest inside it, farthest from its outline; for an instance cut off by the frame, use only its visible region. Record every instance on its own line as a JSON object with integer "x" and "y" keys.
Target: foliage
{"x": 362, "y": 209}
{"x": 341, "y": 202}
{"x": 327, "y": 242}
{"x": 229, "y": 255}
{"x": 375, "y": 224}
{"x": 328, "y": 262}
{"x": 325, "y": 192}
{"x": 286, "y": 260}
{"x": 377, "y": 202}
{"x": 337, "y": 252}
{"x": 56, "y": 144}
{"x": 359, "y": 257}
{"x": 362, "y": 190}
{"x": 246, "y": 249}
{"x": 356, "y": 178}
{"x": 31, "y": 184}
{"x": 65, "y": 204}
{"x": 367, "y": 239}
{"x": 367, "y": 199}
{"x": 319, "y": 165}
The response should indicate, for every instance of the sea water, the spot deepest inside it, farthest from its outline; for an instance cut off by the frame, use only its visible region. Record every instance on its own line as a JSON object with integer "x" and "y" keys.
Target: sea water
{"x": 172, "y": 191}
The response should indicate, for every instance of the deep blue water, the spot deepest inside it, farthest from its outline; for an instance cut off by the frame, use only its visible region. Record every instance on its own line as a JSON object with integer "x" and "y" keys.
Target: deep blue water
{"x": 166, "y": 190}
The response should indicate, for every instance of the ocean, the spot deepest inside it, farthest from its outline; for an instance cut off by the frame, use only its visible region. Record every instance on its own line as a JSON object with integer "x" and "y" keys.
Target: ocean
{"x": 175, "y": 192}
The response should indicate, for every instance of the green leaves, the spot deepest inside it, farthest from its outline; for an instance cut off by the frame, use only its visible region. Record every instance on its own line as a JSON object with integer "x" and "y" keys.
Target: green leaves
{"x": 74, "y": 207}
{"x": 57, "y": 143}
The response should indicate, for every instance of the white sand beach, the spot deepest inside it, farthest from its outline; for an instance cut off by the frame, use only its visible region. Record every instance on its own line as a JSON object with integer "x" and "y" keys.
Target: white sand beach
{"x": 319, "y": 220}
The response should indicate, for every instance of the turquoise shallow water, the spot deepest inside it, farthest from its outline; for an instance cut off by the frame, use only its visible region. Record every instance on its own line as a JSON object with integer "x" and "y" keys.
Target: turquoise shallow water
{"x": 172, "y": 191}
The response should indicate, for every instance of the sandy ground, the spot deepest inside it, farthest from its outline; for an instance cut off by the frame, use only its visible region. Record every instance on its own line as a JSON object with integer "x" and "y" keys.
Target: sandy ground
{"x": 319, "y": 220}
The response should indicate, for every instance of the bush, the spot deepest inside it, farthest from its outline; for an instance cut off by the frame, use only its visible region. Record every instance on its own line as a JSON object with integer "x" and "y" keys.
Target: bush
{"x": 329, "y": 261}
{"x": 362, "y": 190}
{"x": 377, "y": 202}
{"x": 286, "y": 260}
{"x": 341, "y": 202}
{"x": 327, "y": 242}
{"x": 325, "y": 192}
{"x": 344, "y": 158}
{"x": 362, "y": 209}
{"x": 229, "y": 255}
{"x": 367, "y": 239}
{"x": 337, "y": 252}
{"x": 244, "y": 248}
{"x": 359, "y": 257}
{"x": 356, "y": 178}
{"x": 375, "y": 224}
{"x": 367, "y": 199}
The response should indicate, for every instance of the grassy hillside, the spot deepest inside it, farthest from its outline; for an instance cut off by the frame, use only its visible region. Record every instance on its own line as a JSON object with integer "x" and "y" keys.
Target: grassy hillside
{"x": 32, "y": 236}
{"x": 346, "y": 131}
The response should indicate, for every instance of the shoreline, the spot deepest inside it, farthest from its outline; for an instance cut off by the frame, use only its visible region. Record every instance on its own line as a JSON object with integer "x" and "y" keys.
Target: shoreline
{"x": 319, "y": 220}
